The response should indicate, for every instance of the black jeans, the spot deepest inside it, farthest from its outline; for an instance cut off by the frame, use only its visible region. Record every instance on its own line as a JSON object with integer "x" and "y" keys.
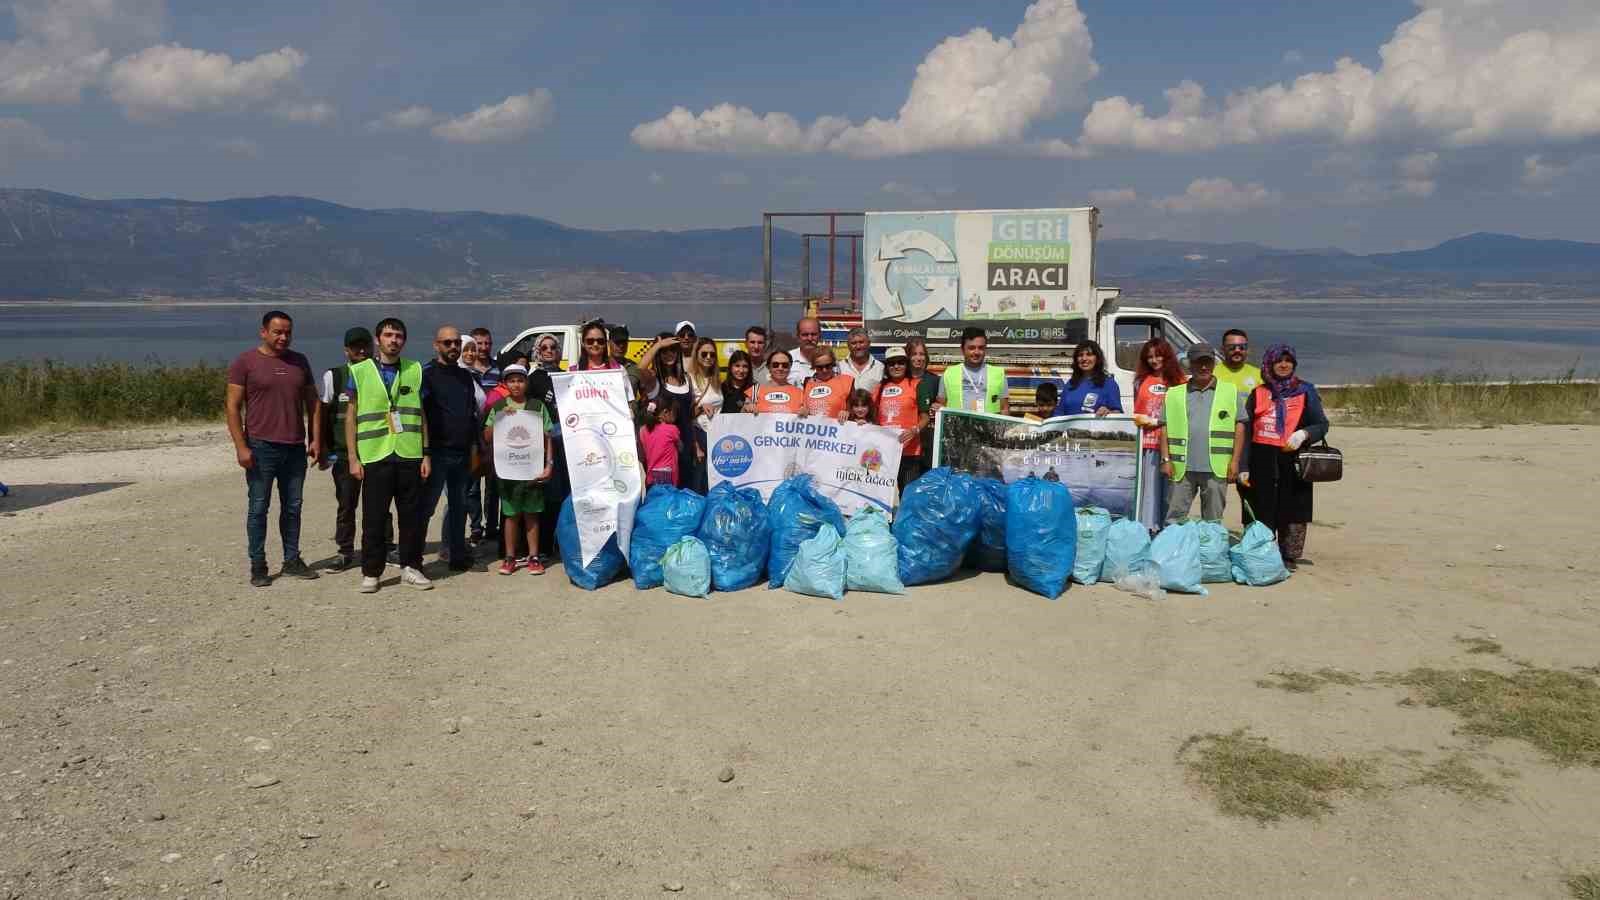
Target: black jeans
{"x": 397, "y": 481}
{"x": 347, "y": 491}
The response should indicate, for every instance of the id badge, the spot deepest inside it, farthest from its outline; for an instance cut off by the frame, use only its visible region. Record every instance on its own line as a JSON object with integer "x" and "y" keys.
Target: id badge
{"x": 394, "y": 421}
{"x": 975, "y": 404}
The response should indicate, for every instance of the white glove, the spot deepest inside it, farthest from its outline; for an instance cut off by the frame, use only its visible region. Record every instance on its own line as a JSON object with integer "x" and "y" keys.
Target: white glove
{"x": 1296, "y": 439}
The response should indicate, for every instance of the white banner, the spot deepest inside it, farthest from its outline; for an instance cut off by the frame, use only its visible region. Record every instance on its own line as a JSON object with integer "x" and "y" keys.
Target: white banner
{"x": 854, "y": 465}
{"x": 518, "y": 446}
{"x": 602, "y": 455}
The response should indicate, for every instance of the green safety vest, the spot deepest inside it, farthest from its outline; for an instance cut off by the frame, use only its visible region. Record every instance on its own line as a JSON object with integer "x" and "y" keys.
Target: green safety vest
{"x": 1224, "y": 408}
{"x": 954, "y": 393}
{"x": 374, "y": 439}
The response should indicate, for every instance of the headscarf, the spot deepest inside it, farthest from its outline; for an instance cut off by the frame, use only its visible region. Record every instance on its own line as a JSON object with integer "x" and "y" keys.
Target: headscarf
{"x": 1281, "y": 388}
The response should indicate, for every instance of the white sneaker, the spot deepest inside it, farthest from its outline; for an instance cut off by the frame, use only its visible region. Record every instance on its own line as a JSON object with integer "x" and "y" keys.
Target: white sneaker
{"x": 415, "y": 578}
{"x": 369, "y": 584}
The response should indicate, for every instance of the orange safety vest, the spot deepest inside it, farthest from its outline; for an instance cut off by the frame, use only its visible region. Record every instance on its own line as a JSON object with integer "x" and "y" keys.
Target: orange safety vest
{"x": 1264, "y": 425}
{"x": 828, "y": 398}
{"x": 777, "y": 398}
{"x": 897, "y": 406}
{"x": 1148, "y": 396}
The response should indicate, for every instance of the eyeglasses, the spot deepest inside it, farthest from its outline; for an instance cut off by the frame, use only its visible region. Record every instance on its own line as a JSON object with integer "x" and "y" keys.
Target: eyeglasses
{"x": 547, "y": 348}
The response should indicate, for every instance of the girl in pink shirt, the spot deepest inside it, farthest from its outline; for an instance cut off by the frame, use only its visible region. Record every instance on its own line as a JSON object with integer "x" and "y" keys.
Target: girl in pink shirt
{"x": 659, "y": 440}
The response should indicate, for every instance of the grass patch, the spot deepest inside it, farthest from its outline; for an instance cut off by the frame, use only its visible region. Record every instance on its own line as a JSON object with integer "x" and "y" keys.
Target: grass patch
{"x": 1479, "y": 644}
{"x": 1455, "y": 774}
{"x": 1297, "y": 682}
{"x": 1253, "y": 780}
{"x": 1455, "y": 401}
{"x": 1583, "y": 885}
{"x": 34, "y": 395}
{"x": 1558, "y": 712}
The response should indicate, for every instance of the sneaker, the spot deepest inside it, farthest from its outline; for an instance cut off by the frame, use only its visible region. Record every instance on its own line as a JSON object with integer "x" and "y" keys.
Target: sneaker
{"x": 259, "y": 576}
{"x": 535, "y": 567}
{"x": 464, "y": 565}
{"x": 415, "y": 578}
{"x": 394, "y": 556}
{"x": 344, "y": 563}
{"x": 369, "y": 584}
{"x": 297, "y": 567}
{"x": 507, "y": 567}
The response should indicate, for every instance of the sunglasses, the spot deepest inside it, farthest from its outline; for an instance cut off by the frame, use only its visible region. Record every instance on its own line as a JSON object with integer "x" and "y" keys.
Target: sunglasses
{"x": 1235, "y": 346}
{"x": 594, "y": 342}
{"x": 820, "y": 366}
{"x": 778, "y": 365}
{"x": 450, "y": 343}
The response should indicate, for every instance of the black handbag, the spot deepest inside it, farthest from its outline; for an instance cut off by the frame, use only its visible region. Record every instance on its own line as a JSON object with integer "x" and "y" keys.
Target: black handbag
{"x": 1319, "y": 462}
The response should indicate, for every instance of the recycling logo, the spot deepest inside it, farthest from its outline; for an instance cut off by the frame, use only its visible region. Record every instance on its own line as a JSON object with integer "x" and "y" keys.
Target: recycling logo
{"x": 925, "y": 262}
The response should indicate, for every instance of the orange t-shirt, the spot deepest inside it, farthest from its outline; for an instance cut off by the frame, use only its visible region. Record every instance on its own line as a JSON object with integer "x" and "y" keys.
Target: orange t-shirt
{"x": 1148, "y": 396}
{"x": 828, "y": 398}
{"x": 777, "y": 398}
{"x": 897, "y": 407}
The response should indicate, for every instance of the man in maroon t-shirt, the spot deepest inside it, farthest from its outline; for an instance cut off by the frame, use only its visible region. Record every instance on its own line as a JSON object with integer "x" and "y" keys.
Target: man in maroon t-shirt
{"x": 273, "y": 385}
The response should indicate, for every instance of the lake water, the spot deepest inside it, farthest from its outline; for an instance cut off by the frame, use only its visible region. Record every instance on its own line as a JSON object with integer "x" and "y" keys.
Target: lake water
{"x": 1338, "y": 340}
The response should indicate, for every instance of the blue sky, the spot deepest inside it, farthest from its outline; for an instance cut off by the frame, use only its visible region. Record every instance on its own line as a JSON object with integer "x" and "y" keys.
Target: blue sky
{"x": 1479, "y": 115}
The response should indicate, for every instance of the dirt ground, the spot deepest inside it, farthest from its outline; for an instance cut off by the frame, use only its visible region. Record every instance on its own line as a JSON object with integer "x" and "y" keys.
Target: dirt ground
{"x": 168, "y": 731}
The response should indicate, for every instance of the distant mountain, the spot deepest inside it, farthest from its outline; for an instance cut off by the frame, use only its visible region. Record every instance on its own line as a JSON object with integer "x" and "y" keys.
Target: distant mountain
{"x": 60, "y": 246}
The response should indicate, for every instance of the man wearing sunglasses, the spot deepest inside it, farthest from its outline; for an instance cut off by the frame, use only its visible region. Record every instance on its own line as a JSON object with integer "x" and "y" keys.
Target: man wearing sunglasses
{"x": 451, "y": 398}
{"x": 1235, "y": 368}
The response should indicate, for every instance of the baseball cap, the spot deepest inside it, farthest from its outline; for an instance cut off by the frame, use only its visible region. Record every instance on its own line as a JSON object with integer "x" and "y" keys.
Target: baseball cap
{"x": 895, "y": 353}
{"x": 685, "y": 324}
{"x": 1201, "y": 350}
{"x": 357, "y": 336}
{"x": 514, "y": 369}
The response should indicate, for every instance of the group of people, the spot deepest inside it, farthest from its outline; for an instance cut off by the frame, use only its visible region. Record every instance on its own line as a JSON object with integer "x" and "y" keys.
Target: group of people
{"x": 398, "y": 435}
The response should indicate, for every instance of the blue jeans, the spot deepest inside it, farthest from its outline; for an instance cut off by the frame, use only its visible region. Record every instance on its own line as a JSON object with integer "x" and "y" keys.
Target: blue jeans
{"x": 285, "y": 464}
{"x": 448, "y": 474}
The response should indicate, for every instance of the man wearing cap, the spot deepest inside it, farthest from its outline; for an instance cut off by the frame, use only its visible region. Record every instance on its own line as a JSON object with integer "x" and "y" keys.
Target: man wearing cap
{"x": 336, "y": 455}
{"x": 1202, "y": 439}
{"x": 618, "y": 336}
{"x": 389, "y": 432}
{"x": 451, "y": 399}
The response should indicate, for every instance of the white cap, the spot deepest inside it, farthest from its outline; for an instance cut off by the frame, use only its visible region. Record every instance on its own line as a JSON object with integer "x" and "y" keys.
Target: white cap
{"x": 514, "y": 369}
{"x": 685, "y": 324}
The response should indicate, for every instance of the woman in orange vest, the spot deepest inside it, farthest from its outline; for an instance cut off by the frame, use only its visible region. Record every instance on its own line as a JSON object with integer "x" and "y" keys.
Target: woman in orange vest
{"x": 898, "y": 408}
{"x": 777, "y": 395}
{"x": 1157, "y": 370}
{"x": 828, "y": 390}
{"x": 1281, "y": 416}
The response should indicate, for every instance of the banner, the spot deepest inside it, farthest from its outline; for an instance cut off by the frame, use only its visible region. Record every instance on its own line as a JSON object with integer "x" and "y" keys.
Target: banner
{"x": 1024, "y": 275}
{"x": 602, "y": 455}
{"x": 518, "y": 446}
{"x": 1096, "y": 457}
{"x": 854, "y": 465}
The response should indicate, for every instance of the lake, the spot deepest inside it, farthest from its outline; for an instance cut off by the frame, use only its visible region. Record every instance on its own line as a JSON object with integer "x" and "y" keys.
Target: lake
{"x": 1338, "y": 340}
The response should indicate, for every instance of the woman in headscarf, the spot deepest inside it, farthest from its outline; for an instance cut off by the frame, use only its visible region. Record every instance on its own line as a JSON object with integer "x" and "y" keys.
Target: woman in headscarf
{"x": 1157, "y": 370}
{"x": 1281, "y": 416}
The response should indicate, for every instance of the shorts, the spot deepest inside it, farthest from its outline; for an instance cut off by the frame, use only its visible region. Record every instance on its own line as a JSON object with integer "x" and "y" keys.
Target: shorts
{"x": 517, "y": 497}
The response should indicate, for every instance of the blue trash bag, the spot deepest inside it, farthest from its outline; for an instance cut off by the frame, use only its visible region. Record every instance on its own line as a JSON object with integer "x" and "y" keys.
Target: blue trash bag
{"x": 819, "y": 566}
{"x": 667, "y": 514}
{"x": 871, "y": 562}
{"x": 796, "y": 512}
{"x": 1176, "y": 552}
{"x": 605, "y": 568}
{"x": 736, "y": 534}
{"x": 1256, "y": 560}
{"x": 937, "y": 522}
{"x": 1127, "y": 542}
{"x": 1093, "y": 524}
{"x": 1214, "y": 563}
{"x": 686, "y": 566}
{"x": 1041, "y": 535}
{"x": 988, "y": 553}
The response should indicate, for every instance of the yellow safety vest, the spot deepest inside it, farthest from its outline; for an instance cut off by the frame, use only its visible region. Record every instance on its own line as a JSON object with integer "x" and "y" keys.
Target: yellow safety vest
{"x": 376, "y": 436}
{"x": 1224, "y": 408}
{"x": 954, "y": 393}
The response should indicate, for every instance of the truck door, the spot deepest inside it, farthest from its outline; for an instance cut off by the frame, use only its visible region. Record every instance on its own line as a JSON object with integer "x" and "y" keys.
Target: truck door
{"x": 1128, "y": 332}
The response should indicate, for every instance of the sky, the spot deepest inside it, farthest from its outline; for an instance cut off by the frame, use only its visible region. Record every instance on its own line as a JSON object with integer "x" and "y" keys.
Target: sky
{"x": 1369, "y": 126}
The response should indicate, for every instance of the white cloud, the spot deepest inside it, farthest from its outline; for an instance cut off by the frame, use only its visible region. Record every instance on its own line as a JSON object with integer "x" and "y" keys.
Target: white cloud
{"x": 244, "y": 148}
{"x": 656, "y": 178}
{"x": 19, "y": 137}
{"x": 1536, "y": 173}
{"x": 733, "y": 179}
{"x": 1464, "y": 72}
{"x": 316, "y": 112}
{"x": 1416, "y": 174}
{"x": 169, "y": 78}
{"x": 973, "y": 90}
{"x": 510, "y": 118}
{"x": 62, "y": 45}
{"x": 404, "y": 119}
{"x": 1114, "y": 197}
{"x": 1218, "y": 195}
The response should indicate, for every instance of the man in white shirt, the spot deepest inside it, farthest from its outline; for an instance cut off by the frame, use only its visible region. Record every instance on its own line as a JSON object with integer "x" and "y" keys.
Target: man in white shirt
{"x": 809, "y": 332}
{"x": 866, "y": 369}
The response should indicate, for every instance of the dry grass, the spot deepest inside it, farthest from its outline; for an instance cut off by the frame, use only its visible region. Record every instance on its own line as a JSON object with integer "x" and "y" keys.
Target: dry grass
{"x": 1455, "y": 401}
{"x": 1250, "y": 779}
{"x": 1456, "y": 775}
{"x": 52, "y": 394}
{"x": 1296, "y": 682}
{"x": 1584, "y": 885}
{"x": 1558, "y": 712}
{"x": 1479, "y": 644}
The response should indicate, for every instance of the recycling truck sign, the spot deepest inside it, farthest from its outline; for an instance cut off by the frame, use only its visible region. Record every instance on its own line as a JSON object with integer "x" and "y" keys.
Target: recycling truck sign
{"x": 1021, "y": 274}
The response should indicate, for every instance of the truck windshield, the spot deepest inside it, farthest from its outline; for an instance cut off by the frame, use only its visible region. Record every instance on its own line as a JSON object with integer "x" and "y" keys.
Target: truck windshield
{"x": 1132, "y": 332}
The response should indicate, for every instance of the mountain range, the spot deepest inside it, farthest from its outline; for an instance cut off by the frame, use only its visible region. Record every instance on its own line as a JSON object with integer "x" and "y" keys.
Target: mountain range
{"x": 57, "y": 246}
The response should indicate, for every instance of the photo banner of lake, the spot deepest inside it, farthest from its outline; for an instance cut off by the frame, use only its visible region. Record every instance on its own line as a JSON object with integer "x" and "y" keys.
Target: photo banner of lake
{"x": 602, "y": 456}
{"x": 1096, "y": 457}
{"x": 854, "y": 465}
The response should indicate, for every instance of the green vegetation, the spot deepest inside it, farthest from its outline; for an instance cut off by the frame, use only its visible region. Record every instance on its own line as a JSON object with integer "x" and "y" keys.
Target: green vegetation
{"x": 1296, "y": 682}
{"x": 105, "y": 394}
{"x": 1584, "y": 885}
{"x": 1455, "y": 774}
{"x": 1252, "y": 780}
{"x": 1453, "y": 401}
{"x": 1555, "y": 711}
